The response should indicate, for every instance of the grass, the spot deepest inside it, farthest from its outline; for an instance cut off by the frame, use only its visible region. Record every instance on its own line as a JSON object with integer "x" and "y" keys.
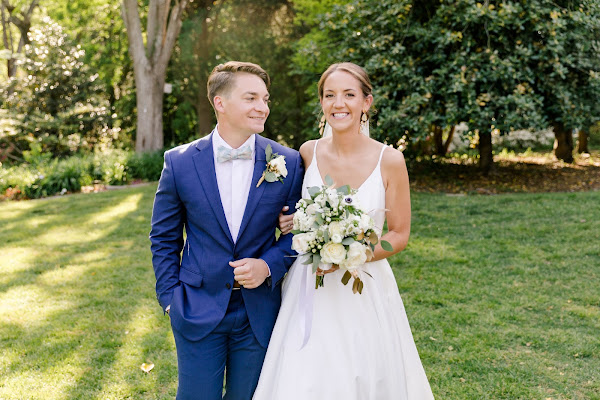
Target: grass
{"x": 501, "y": 292}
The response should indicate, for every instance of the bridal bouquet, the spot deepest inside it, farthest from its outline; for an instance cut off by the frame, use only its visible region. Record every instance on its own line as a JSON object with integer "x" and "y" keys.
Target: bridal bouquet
{"x": 330, "y": 228}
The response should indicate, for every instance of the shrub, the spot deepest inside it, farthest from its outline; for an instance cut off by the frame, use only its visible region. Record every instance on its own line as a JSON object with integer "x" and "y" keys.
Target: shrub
{"x": 46, "y": 178}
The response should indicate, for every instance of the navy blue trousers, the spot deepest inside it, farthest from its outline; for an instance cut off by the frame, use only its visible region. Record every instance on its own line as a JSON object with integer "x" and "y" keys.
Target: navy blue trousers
{"x": 231, "y": 347}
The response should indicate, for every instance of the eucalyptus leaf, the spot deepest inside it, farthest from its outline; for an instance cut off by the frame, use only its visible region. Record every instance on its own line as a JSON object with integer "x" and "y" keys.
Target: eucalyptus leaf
{"x": 346, "y": 277}
{"x": 313, "y": 190}
{"x": 316, "y": 262}
{"x": 319, "y": 218}
{"x": 270, "y": 177}
{"x": 360, "y": 286}
{"x": 328, "y": 180}
{"x": 355, "y": 286}
{"x": 308, "y": 260}
{"x": 345, "y": 190}
{"x": 268, "y": 152}
{"x": 348, "y": 241}
{"x": 386, "y": 245}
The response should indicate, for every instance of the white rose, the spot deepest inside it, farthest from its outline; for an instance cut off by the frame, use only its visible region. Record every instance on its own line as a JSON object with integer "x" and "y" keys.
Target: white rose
{"x": 336, "y": 228}
{"x": 278, "y": 164}
{"x": 300, "y": 242}
{"x": 336, "y": 238}
{"x": 365, "y": 223}
{"x": 333, "y": 253}
{"x": 321, "y": 200}
{"x": 312, "y": 209}
{"x": 356, "y": 256}
{"x": 332, "y": 196}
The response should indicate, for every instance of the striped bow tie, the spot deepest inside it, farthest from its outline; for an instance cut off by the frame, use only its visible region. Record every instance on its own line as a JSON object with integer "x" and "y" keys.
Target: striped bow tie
{"x": 243, "y": 153}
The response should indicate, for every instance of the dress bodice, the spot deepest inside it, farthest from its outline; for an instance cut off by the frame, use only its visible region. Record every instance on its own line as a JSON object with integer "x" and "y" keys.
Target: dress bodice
{"x": 370, "y": 195}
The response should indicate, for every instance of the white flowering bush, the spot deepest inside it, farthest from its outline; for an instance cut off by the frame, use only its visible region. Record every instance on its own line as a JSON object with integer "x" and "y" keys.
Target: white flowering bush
{"x": 331, "y": 229}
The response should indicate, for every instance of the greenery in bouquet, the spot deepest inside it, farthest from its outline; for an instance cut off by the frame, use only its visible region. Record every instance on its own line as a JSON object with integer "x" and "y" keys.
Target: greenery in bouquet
{"x": 331, "y": 229}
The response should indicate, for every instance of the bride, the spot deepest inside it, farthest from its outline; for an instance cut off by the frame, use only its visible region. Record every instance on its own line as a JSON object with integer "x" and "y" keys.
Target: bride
{"x": 330, "y": 343}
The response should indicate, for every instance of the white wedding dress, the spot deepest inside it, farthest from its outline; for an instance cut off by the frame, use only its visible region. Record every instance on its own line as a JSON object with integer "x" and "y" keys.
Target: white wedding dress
{"x": 359, "y": 346}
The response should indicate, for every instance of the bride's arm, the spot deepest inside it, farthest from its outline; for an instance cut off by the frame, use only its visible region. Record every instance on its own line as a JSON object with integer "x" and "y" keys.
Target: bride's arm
{"x": 397, "y": 202}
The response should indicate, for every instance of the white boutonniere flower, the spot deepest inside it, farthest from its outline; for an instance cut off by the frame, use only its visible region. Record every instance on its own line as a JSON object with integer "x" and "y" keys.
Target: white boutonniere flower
{"x": 276, "y": 168}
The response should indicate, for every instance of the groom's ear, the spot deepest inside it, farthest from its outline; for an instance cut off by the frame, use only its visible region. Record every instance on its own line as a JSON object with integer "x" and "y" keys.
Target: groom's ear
{"x": 218, "y": 101}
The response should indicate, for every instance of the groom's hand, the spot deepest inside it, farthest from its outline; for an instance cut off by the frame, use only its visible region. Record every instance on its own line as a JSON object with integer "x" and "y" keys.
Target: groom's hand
{"x": 250, "y": 272}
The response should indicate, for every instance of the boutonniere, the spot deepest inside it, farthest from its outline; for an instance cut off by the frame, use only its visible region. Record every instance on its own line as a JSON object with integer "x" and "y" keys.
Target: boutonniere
{"x": 275, "y": 170}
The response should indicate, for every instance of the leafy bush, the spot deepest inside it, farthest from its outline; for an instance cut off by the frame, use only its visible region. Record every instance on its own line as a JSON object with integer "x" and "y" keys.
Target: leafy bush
{"x": 47, "y": 178}
{"x": 58, "y": 103}
{"x": 146, "y": 166}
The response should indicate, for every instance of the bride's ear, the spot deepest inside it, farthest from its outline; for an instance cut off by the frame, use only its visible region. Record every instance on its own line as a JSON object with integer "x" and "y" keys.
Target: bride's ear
{"x": 368, "y": 101}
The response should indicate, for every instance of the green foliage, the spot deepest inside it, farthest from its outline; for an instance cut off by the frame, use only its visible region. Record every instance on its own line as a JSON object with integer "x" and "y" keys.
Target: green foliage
{"x": 57, "y": 100}
{"x": 59, "y": 176}
{"x": 495, "y": 65}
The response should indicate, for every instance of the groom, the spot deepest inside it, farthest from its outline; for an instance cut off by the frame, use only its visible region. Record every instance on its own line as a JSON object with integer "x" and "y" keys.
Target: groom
{"x": 220, "y": 283}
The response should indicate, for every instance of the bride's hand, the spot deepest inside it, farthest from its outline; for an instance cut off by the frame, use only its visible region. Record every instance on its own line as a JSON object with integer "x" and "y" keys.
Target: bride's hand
{"x": 333, "y": 268}
{"x": 286, "y": 223}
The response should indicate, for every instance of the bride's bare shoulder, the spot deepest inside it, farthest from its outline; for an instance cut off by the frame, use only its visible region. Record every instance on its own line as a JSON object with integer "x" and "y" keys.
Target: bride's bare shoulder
{"x": 306, "y": 151}
{"x": 393, "y": 166}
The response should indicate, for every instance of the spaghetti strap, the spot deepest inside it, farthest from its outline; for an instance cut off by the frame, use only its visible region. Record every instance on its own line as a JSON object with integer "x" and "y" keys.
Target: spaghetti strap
{"x": 314, "y": 159}
{"x": 380, "y": 154}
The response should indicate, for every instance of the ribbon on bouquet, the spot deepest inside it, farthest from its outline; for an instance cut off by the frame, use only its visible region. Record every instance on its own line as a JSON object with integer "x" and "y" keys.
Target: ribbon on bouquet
{"x": 305, "y": 304}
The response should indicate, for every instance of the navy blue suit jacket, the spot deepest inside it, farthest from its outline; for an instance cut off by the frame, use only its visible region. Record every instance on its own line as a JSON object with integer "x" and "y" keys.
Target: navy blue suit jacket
{"x": 194, "y": 275}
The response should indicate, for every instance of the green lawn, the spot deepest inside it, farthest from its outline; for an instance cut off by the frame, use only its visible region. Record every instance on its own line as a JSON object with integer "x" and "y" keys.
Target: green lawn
{"x": 502, "y": 293}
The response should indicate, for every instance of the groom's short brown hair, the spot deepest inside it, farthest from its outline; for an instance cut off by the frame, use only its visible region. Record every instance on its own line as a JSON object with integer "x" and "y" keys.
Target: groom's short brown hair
{"x": 220, "y": 80}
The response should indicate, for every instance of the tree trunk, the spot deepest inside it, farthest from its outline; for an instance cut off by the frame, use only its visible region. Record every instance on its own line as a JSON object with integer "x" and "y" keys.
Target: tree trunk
{"x": 582, "y": 142}
{"x": 563, "y": 142}
{"x": 23, "y": 24}
{"x": 438, "y": 140}
{"x": 150, "y": 62}
{"x": 204, "y": 112}
{"x": 149, "y": 92}
{"x": 449, "y": 139}
{"x": 486, "y": 157}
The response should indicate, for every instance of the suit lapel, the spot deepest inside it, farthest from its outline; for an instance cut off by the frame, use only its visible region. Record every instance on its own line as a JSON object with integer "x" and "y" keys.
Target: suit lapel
{"x": 260, "y": 162}
{"x": 205, "y": 168}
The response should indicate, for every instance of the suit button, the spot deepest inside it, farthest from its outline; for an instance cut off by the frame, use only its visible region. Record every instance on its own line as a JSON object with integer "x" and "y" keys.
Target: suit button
{"x": 228, "y": 285}
{"x": 236, "y": 256}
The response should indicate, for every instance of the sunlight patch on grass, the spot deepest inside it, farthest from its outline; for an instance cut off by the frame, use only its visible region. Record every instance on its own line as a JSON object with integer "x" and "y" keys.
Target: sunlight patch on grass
{"x": 126, "y": 206}
{"x": 16, "y": 259}
{"x": 30, "y": 305}
{"x": 126, "y": 373}
{"x": 66, "y": 274}
{"x": 98, "y": 226}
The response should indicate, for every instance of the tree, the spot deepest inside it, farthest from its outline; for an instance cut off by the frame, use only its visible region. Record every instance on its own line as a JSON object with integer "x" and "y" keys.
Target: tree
{"x": 22, "y": 22}
{"x": 496, "y": 65}
{"x": 98, "y": 27}
{"x": 234, "y": 30}
{"x": 150, "y": 62}
{"x": 57, "y": 104}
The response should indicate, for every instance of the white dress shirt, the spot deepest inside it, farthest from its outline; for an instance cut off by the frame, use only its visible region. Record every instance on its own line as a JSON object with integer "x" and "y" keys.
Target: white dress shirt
{"x": 234, "y": 178}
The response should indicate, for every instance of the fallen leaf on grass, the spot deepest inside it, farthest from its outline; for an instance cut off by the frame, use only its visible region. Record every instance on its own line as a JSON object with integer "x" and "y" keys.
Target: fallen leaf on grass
{"x": 146, "y": 367}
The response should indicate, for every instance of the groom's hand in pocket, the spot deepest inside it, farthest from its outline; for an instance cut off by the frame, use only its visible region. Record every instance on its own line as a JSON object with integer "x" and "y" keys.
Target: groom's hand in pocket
{"x": 250, "y": 272}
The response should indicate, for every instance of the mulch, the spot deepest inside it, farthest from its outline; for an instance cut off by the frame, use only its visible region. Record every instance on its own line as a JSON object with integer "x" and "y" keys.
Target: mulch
{"x": 511, "y": 174}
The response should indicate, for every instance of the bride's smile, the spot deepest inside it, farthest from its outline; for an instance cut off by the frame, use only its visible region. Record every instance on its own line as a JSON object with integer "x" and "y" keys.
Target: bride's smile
{"x": 343, "y": 102}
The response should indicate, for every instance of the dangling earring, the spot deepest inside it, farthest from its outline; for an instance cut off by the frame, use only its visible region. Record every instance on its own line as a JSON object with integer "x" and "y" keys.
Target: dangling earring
{"x": 322, "y": 125}
{"x": 364, "y": 123}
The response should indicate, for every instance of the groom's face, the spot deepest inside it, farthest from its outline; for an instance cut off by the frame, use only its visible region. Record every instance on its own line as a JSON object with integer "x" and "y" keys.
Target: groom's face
{"x": 246, "y": 107}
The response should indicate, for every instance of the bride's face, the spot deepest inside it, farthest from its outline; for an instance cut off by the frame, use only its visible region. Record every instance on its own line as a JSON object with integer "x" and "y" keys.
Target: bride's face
{"x": 343, "y": 102}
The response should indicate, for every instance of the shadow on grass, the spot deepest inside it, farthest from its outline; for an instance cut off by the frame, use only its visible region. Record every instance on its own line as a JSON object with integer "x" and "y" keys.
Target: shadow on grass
{"x": 100, "y": 298}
